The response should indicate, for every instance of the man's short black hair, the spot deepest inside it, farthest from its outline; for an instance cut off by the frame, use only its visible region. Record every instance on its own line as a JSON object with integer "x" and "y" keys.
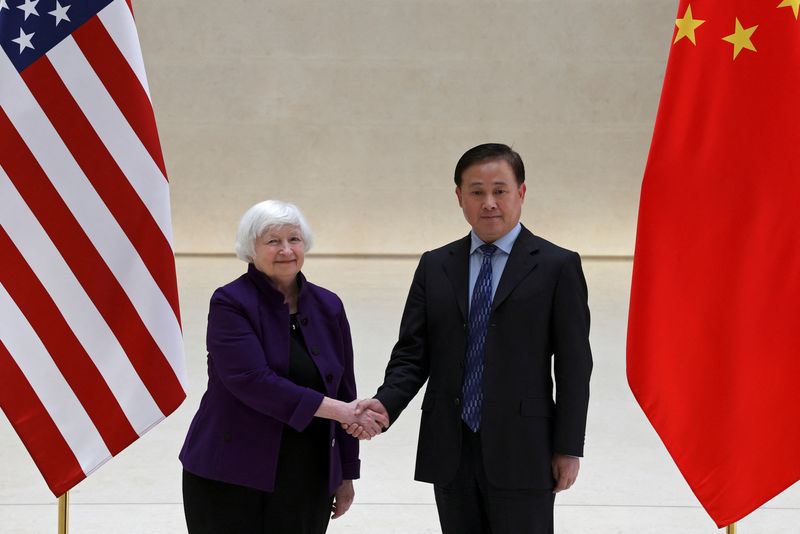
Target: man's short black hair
{"x": 489, "y": 152}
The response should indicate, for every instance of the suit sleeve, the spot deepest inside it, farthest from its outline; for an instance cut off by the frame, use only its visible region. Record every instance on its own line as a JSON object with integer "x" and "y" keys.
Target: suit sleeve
{"x": 408, "y": 366}
{"x": 348, "y": 445}
{"x": 572, "y": 357}
{"x": 238, "y": 358}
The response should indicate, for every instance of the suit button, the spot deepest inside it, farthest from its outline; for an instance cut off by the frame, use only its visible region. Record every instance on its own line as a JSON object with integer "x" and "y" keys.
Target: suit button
{"x": 457, "y": 401}
{"x": 315, "y": 351}
{"x": 329, "y": 378}
{"x": 304, "y": 321}
{"x": 333, "y": 442}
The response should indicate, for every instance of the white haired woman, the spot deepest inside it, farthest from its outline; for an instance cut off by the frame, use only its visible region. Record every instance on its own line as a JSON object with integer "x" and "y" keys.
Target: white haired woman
{"x": 264, "y": 452}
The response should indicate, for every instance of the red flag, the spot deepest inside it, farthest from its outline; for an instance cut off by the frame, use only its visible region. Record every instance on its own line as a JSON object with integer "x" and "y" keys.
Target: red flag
{"x": 91, "y": 354}
{"x": 713, "y": 333}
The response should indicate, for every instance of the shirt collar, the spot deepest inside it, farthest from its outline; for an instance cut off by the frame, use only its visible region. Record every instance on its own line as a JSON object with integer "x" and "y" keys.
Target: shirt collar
{"x": 504, "y": 243}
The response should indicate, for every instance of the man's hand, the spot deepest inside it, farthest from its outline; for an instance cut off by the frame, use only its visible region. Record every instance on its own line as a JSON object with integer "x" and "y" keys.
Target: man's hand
{"x": 342, "y": 498}
{"x": 368, "y": 423}
{"x": 372, "y": 408}
{"x": 565, "y": 471}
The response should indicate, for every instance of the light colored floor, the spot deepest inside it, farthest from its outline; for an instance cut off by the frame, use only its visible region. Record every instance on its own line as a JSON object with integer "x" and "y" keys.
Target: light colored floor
{"x": 628, "y": 485}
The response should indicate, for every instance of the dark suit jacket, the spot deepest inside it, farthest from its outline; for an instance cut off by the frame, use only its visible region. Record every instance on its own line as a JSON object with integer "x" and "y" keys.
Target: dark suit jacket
{"x": 539, "y": 311}
{"x": 235, "y": 436}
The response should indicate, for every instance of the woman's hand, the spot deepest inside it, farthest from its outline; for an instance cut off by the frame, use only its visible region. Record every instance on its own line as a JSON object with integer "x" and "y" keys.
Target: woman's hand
{"x": 342, "y": 498}
{"x": 369, "y": 422}
{"x": 368, "y": 405}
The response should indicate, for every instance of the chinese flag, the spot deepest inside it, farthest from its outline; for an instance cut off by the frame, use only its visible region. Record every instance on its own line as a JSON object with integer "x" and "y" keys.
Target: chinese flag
{"x": 714, "y": 325}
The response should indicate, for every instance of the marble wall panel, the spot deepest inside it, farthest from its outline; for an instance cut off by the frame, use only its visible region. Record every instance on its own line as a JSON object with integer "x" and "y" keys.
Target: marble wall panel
{"x": 358, "y": 110}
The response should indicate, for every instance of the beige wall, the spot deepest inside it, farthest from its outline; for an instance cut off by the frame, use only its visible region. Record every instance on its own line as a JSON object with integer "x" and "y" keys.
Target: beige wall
{"x": 357, "y": 110}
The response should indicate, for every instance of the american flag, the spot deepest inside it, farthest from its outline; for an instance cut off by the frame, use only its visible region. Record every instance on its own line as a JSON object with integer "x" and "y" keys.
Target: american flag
{"x": 91, "y": 352}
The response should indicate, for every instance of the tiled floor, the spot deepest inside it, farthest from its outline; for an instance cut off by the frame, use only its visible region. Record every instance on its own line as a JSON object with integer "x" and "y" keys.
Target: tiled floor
{"x": 627, "y": 485}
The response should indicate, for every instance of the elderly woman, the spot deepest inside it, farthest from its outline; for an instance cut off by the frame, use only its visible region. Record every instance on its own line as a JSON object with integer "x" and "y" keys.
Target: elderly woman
{"x": 263, "y": 453}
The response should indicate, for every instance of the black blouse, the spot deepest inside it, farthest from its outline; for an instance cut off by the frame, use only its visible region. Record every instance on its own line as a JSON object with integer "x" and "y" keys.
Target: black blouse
{"x": 304, "y": 372}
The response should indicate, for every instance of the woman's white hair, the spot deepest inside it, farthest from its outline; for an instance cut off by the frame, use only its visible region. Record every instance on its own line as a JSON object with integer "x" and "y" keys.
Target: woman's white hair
{"x": 263, "y": 217}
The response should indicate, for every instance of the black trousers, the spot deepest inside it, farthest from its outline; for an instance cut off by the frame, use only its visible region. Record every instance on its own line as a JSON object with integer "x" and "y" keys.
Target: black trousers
{"x": 300, "y": 503}
{"x": 214, "y": 507}
{"x": 470, "y": 505}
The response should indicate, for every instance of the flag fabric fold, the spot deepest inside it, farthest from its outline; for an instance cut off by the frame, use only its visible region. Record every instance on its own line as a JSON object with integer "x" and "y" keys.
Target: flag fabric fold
{"x": 91, "y": 351}
{"x": 713, "y": 350}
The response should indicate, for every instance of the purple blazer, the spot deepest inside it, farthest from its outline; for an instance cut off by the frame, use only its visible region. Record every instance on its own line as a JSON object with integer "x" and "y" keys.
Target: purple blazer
{"x": 235, "y": 436}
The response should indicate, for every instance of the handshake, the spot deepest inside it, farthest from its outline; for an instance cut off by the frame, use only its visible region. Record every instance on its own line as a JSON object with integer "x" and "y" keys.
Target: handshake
{"x": 365, "y": 418}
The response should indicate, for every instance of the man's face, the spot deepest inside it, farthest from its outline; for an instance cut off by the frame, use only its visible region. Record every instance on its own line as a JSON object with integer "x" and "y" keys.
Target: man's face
{"x": 490, "y": 198}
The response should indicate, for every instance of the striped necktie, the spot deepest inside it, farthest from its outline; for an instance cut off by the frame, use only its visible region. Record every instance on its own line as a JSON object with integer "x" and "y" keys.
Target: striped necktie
{"x": 481, "y": 307}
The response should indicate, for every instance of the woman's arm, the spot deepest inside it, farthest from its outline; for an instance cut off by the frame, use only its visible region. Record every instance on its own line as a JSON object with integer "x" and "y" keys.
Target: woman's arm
{"x": 238, "y": 359}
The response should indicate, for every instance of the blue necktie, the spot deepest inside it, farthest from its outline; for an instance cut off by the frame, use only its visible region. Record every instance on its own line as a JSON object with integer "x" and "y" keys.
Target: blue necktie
{"x": 472, "y": 390}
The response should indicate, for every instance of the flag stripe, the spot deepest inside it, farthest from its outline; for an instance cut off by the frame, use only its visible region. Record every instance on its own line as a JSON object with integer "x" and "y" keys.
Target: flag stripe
{"x": 69, "y": 356}
{"x": 105, "y": 175}
{"x": 117, "y": 18}
{"x": 93, "y": 273}
{"x": 79, "y": 311}
{"x": 54, "y": 392}
{"x": 93, "y": 216}
{"x": 121, "y": 82}
{"x": 113, "y": 128}
{"x": 36, "y": 428}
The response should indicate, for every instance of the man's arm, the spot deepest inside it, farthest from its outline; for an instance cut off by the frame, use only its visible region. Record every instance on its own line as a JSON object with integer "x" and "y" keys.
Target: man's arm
{"x": 408, "y": 367}
{"x": 572, "y": 359}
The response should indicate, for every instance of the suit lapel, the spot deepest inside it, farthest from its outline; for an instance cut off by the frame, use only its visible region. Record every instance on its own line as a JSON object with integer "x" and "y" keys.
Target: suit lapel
{"x": 456, "y": 268}
{"x": 521, "y": 261}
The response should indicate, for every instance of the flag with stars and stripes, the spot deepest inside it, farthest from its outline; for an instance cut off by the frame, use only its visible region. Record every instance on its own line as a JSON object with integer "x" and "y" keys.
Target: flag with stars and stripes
{"x": 713, "y": 334}
{"x": 91, "y": 352}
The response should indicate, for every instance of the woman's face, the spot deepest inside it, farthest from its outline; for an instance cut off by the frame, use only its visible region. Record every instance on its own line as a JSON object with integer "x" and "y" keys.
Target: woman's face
{"x": 280, "y": 252}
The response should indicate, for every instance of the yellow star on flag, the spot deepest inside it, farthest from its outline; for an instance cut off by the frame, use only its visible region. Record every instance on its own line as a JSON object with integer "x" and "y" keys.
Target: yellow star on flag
{"x": 794, "y": 4}
{"x": 687, "y": 25}
{"x": 741, "y": 38}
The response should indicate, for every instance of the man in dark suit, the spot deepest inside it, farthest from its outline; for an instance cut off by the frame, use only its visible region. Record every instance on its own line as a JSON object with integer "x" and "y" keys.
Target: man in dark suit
{"x": 484, "y": 316}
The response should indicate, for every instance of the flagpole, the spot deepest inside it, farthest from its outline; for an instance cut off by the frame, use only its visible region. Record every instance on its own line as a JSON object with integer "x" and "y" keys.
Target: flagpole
{"x": 63, "y": 513}
{"x": 731, "y": 529}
